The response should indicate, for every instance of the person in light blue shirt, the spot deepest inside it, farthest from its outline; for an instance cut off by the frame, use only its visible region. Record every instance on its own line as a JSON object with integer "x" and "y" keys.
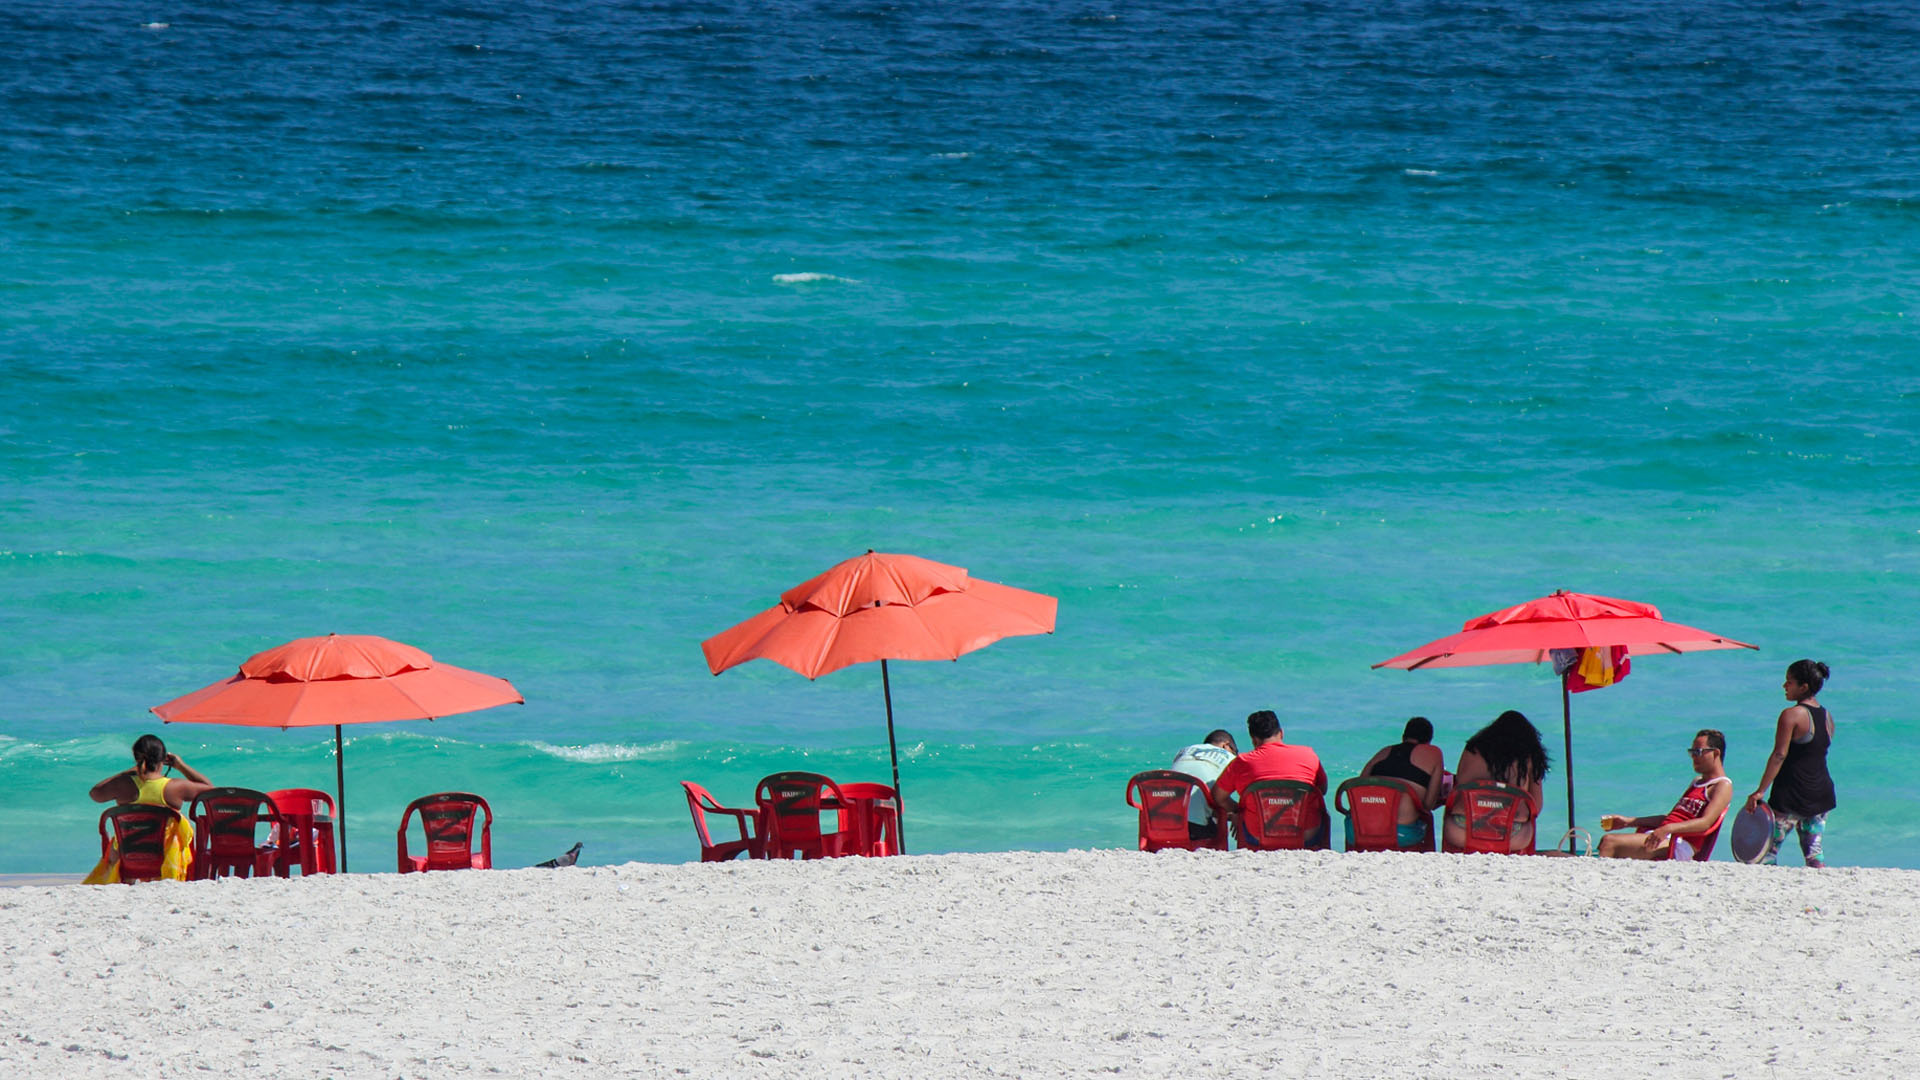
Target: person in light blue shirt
{"x": 1204, "y": 761}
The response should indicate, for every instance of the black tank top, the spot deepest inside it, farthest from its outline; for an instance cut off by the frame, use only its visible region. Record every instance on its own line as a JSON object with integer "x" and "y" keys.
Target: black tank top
{"x": 1803, "y": 785}
{"x": 1399, "y": 764}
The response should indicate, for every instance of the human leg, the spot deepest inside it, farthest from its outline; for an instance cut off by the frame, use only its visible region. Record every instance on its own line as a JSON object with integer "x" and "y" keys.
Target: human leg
{"x": 1812, "y": 833}
{"x": 1783, "y": 823}
{"x": 1628, "y": 846}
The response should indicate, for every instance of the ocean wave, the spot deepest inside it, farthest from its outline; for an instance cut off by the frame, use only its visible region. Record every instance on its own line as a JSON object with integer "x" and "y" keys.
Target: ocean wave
{"x": 809, "y": 276}
{"x": 598, "y": 753}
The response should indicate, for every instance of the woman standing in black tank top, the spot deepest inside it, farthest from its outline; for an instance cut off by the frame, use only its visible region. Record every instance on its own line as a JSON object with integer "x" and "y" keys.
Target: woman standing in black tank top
{"x": 1797, "y": 769}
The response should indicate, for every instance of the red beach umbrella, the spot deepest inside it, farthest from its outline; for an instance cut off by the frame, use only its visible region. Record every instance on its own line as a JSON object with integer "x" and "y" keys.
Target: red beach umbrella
{"x": 1528, "y": 633}
{"x": 334, "y": 680}
{"x": 882, "y": 607}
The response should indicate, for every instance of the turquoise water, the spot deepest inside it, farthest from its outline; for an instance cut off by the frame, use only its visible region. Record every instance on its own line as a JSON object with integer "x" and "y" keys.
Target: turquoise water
{"x": 1273, "y": 341}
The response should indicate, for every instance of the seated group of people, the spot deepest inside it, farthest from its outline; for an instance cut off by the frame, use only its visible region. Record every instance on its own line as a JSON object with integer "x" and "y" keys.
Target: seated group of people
{"x": 1508, "y": 751}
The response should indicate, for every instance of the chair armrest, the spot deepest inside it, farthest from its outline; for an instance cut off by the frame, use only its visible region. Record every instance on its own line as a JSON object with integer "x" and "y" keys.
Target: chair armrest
{"x": 740, "y": 818}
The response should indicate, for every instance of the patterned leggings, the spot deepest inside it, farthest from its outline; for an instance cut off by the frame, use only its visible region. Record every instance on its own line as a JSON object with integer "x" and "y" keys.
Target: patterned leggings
{"x": 1810, "y": 828}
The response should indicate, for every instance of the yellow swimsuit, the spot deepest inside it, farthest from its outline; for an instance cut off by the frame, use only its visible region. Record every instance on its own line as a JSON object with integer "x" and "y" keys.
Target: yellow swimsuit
{"x": 152, "y": 792}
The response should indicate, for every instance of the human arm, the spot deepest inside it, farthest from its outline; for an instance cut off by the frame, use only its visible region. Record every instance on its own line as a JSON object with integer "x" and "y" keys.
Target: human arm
{"x": 118, "y": 788}
{"x": 1320, "y": 778}
{"x": 1436, "y": 766}
{"x": 187, "y": 771}
{"x": 1229, "y": 781}
{"x": 1783, "y": 734}
{"x": 189, "y": 785}
{"x": 1222, "y": 804}
{"x": 1717, "y": 804}
{"x": 1622, "y": 821}
{"x": 1471, "y": 767}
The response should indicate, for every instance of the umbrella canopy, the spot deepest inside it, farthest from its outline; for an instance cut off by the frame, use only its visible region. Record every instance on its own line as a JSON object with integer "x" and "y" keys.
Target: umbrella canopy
{"x": 882, "y": 607}
{"x": 1528, "y": 633}
{"x": 334, "y": 680}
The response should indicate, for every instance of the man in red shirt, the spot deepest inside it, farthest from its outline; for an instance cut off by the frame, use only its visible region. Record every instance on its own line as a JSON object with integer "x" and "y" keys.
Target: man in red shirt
{"x": 1270, "y": 759}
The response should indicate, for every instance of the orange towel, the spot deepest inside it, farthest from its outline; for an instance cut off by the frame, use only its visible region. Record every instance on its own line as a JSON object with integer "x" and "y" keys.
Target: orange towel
{"x": 175, "y": 865}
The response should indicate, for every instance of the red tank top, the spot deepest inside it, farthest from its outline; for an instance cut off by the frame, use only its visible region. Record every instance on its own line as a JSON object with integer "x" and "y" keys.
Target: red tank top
{"x": 1693, "y": 803}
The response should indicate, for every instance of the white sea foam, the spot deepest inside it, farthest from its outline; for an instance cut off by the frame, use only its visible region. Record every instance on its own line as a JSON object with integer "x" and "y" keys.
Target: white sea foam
{"x": 958, "y": 155}
{"x": 600, "y": 753}
{"x": 810, "y": 276}
{"x": 1420, "y": 172}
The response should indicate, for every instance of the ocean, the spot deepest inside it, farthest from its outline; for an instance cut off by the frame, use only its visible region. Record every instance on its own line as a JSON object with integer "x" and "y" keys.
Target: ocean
{"x": 1272, "y": 339}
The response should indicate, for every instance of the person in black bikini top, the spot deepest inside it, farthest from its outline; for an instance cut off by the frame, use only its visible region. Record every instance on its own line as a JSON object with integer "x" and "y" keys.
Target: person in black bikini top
{"x": 1414, "y": 759}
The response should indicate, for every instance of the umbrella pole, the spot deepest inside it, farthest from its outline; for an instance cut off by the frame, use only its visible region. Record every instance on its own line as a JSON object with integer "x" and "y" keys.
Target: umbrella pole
{"x": 340, "y": 785}
{"x": 893, "y": 751}
{"x": 1566, "y": 721}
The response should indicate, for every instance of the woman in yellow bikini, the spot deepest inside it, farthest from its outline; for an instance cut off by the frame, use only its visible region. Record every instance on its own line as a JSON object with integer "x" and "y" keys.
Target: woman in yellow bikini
{"x": 147, "y": 783}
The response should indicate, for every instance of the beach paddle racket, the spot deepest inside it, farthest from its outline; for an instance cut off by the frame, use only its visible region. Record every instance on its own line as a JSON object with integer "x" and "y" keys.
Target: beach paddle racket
{"x": 1751, "y": 832}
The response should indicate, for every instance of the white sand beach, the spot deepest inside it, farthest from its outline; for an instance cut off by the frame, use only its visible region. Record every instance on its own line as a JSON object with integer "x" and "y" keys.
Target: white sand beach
{"x": 1075, "y": 964}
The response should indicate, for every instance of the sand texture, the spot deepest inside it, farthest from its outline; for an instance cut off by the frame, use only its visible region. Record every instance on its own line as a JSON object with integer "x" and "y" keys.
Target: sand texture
{"x": 1076, "y": 964}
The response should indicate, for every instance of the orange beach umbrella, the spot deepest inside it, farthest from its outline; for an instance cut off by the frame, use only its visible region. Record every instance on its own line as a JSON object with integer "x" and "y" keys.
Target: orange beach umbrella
{"x": 882, "y": 607}
{"x": 1528, "y": 633}
{"x": 334, "y": 680}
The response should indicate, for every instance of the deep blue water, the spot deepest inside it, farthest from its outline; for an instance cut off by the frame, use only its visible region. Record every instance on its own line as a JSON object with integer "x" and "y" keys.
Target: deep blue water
{"x": 1273, "y": 340}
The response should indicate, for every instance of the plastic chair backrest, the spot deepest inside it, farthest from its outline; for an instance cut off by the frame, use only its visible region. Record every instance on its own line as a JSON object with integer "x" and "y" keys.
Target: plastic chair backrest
{"x": 870, "y": 816}
{"x": 790, "y": 807}
{"x": 447, "y": 819}
{"x": 1703, "y": 843}
{"x": 298, "y": 807}
{"x": 700, "y": 803}
{"x": 1492, "y": 811}
{"x": 1372, "y": 804}
{"x": 226, "y": 823}
{"x": 303, "y": 803}
{"x": 1285, "y": 815}
{"x": 141, "y": 832}
{"x": 1163, "y": 798}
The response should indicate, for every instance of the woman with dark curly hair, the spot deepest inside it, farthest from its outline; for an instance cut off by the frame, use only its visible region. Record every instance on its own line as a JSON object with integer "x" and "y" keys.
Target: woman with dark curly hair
{"x": 1507, "y": 751}
{"x": 1797, "y": 768}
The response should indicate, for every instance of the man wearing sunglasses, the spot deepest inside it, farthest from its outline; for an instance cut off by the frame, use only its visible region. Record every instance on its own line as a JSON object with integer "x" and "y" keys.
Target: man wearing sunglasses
{"x": 1688, "y": 827}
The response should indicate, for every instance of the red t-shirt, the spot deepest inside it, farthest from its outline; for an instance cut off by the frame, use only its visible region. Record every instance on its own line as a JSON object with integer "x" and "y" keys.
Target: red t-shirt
{"x": 1272, "y": 761}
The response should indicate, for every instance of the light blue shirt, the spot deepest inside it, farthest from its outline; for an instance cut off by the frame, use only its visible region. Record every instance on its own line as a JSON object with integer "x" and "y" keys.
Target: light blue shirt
{"x": 1204, "y": 762}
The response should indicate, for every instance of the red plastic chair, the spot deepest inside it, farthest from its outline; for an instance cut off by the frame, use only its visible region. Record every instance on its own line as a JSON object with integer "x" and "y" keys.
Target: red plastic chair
{"x": 1283, "y": 815}
{"x": 141, "y": 832}
{"x": 1492, "y": 812}
{"x": 1702, "y": 842}
{"x": 447, "y": 819}
{"x": 790, "y": 807}
{"x": 870, "y": 817}
{"x": 1372, "y": 805}
{"x": 700, "y": 803}
{"x": 1163, "y": 798}
{"x": 226, "y": 821}
{"x": 303, "y": 842}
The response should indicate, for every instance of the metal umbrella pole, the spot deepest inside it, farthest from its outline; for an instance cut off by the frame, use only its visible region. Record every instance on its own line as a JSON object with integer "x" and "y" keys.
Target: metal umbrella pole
{"x": 893, "y": 751}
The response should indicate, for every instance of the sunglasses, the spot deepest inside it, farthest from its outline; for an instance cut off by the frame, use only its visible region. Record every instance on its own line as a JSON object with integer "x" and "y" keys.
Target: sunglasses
{"x": 1696, "y": 751}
